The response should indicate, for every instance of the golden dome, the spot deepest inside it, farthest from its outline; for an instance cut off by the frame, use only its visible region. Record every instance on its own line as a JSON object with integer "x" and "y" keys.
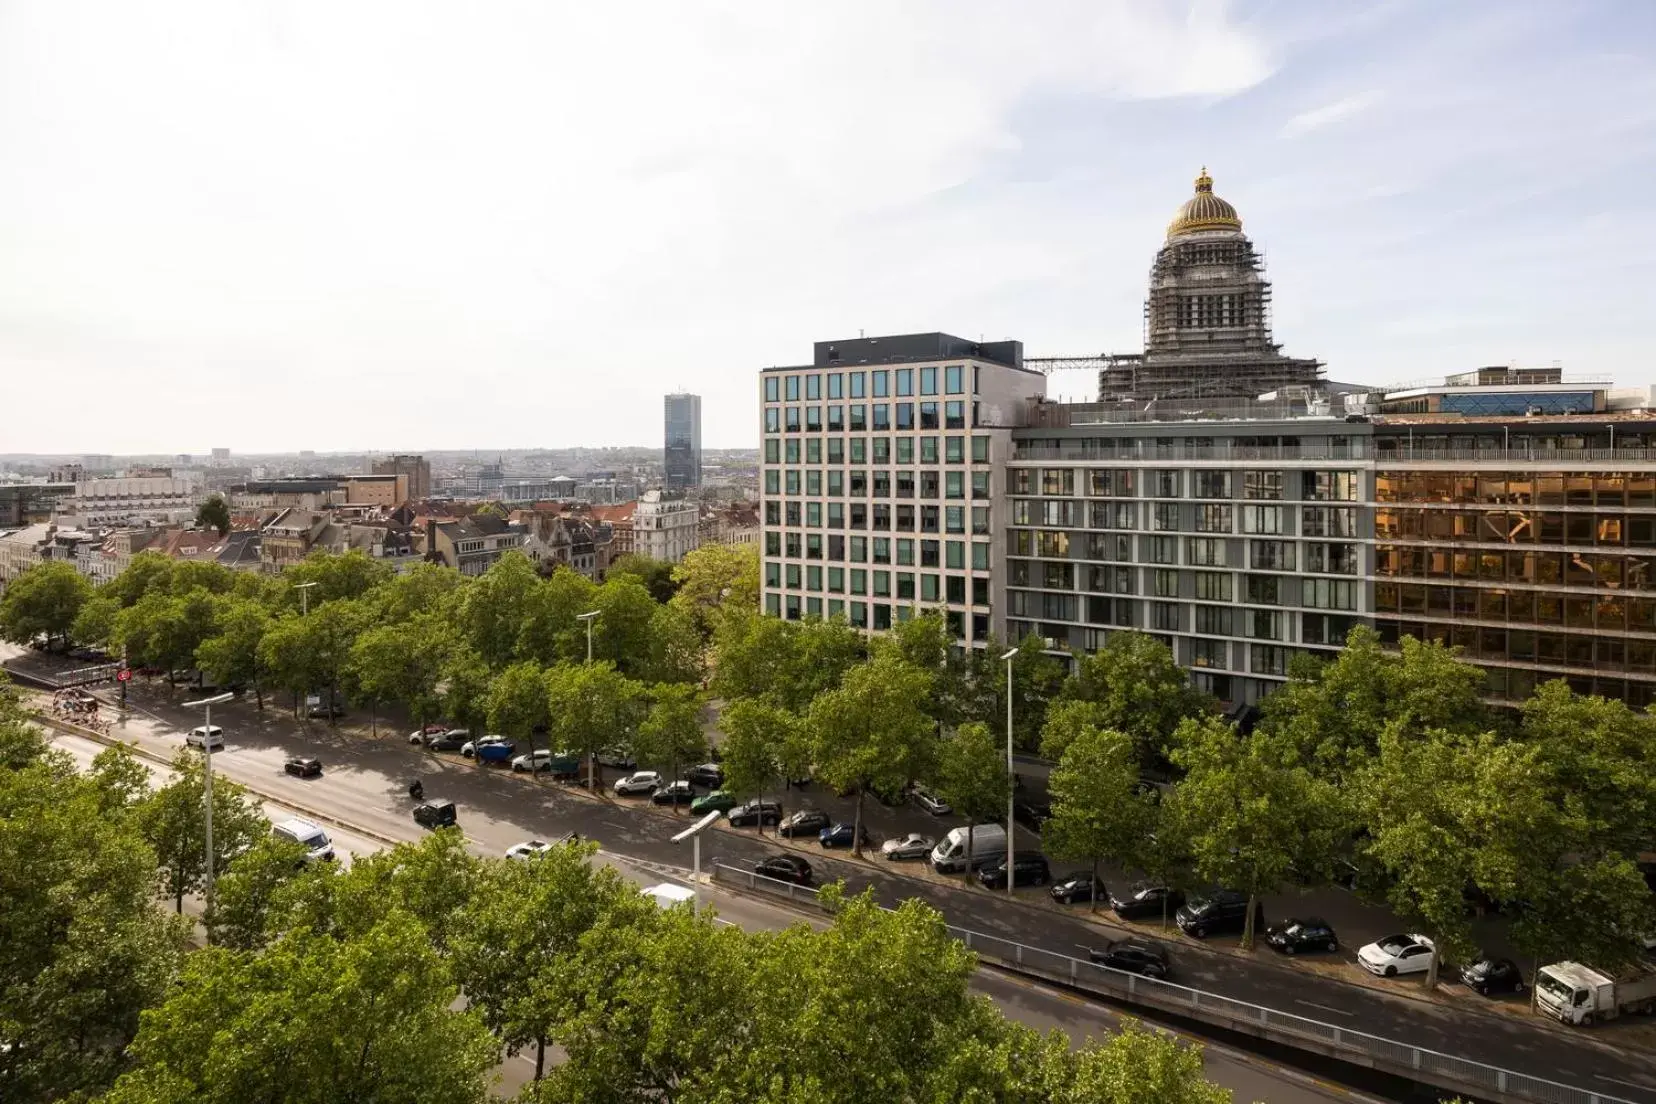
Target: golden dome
{"x": 1204, "y": 211}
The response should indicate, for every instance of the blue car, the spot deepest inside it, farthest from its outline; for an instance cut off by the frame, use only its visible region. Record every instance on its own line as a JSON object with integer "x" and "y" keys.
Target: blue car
{"x": 841, "y": 835}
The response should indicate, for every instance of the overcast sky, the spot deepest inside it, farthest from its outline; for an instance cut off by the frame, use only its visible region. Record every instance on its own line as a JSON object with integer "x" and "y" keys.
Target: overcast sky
{"x": 335, "y": 225}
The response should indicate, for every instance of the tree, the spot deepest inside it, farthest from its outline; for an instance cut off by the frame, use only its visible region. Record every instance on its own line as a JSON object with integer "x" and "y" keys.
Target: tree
{"x": 313, "y": 652}
{"x": 44, "y": 601}
{"x": 21, "y": 740}
{"x": 493, "y": 607}
{"x": 1068, "y": 719}
{"x": 756, "y": 736}
{"x": 314, "y": 1018}
{"x": 244, "y": 899}
{"x": 163, "y": 629}
{"x": 337, "y": 576}
{"x": 123, "y": 783}
{"x": 671, "y": 735}
{"x": 284, "y": 652}
{"x": 972, "y": 776}
{"x": 1098, "y": 809}
{"x": 656, "y": 577}
{"x": 214, "y": 514}
{"x": 1599, "y": 757}
{"x": 591, "y": 707}
{"x": 870, "y": 732}
{"x": 465, "y": 687}
{"x": 517, "y": 702}
{"x": 231, "y": 655}
{"x": 675, "y": 653}
{"x": 423, "y": 588}
{"x": 522, "y": 932}
{"x": 85, "y": 948}
{"x": 173, "y": 823}
{"x": 1036, "y": 681}
{"x": 714, "y": 578}
{"x": 95, "y": 624}
{"x": 550, "y": 632}
{"x": 1251, "y": 814}
{"x": 621, "y": 633}
{"x": 147, "y": 571}
{"x": 926, "y": 643}
{"x": 1596, "y": 910}
{"x": 1137, "y": 1065}
{"x": 1139, "y": 690}
{"x": 753, "y": 656}
{"x": 404, "y": 663}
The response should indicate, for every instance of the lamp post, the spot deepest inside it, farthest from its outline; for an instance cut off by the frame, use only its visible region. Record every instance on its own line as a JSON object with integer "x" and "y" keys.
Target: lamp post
{"x": 592, "y": 763}
{"x": 304, "y": 597}
{"x": 1012, "y": 793}
{"x": 207, "y": 779}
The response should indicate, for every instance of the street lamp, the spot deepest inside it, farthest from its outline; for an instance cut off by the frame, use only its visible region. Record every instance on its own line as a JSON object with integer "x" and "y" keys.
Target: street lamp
{"x": 304, "y": 597}
{"x": 207, "y": 778}
{"x": 592, "y": 764}
{"x": 1011, "y": 777}
{"x": 589, "y": 617}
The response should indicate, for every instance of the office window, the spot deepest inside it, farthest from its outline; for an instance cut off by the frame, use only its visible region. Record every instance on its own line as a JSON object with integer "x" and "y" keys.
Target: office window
{"x": 791, "y": 451}
{"x": 954, "y": 450}
{"x": 773, "y": 540}
{"x": 859, "y": 581}
{"x": 1213, "y": 586}
{"x": 793, "y": 388}
{"x": 980, "y": 555}
{"x": 881, "y": 449}
{"x": 1213, "y": 620}
{"x": 859, "y": 516}
{"x": 813, "y": 387}
{"x": 792, "y": 481}
{"x": 859, "y": 418}
{"x": 1262, "y": 590}
{"x": 953, "y": 379}
{"x": 1341, "y": 559}
{"x": 1268, "y": 660}
{"x": 773, "y": 450}
{"x": 954, "y": 485}
{"x": 1213, "y": 518}
{"x": 1208, "y": 653}
{"x": 904, "y": 483}
{"x": 882, "y": 584}
{"x": 813, "y": 573}
{"x": 1270, "y": 555}
{"x": 905, "y": 552}
{"x": 1021, "y": 481}
{"x": 1110, "y": 482}
{"x": 1167, "y": 616}
{"x": 905, "y": 585}
{"x": 813, "y": 545}
{"x": 859, "y": 450}
{"x": 954, "y": 414}
{"x": 1164, "y": 550}
{"x": 882, "y": 416}
{"x": 836, "y": 515}
{"x": 1207, "y": 551}
{"x": 881, "y": 381}
{"x": 1057, "y": 481}
{"x": 793, "y": 576}
{"x": 1262, "y": 519}
{"x": 1263, "y": 624}
{"x": 980, "y": 519}
{"x": 928, "y": 381}
{"x": 856, "y": 382}
{"x": 928, "y": 450}
{"x": 954, "y": 554}
{"x": 928, "y": 588}
{"x": 836, "y": 419}
{"x": 794, "y": 543}
{"x": 1330, "y": 486}
{"x": 980, "y": 484}
{"x": 881, "y": 484}
{"x": 773, "y": 605}
{"x": 905, "y": 381}
{"x": 772, "y": 389}
{"x": 859, "y": 550}
{"x": 836, "y": 482}
{"x": 773, "y": 481}
{"x": 1262, "y": 484}
{"x": 813, "y": 450}
{"x": 928, "y": 416}
{"x": 1212, "y": 484}
{"x": 773, "y": 419}
{"x": 1164, "y": 484}
{"x": 1338, "y": 594}
{"x": 836, "y": 450}
{"x": 1166, "y": 583}
{"x": 930, "y": 482}
{"x": 980, "y": 449}
{"x": 882, "y": 551}
{"x": 1164, "y": 517}
{"x": 954, "y": 519}
{"x": 773, "y": 573}
{"x": 836, "y": 388}
{"x": 1328, "y": 521}
{"x": 813, "y": 481}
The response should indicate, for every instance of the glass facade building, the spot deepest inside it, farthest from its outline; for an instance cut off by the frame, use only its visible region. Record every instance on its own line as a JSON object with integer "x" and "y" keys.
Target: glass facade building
{"x": 682, "y": 462}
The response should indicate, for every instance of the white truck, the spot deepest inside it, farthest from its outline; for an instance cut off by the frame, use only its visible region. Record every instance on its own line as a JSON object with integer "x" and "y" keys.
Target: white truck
{"x": 1579, "y": 994}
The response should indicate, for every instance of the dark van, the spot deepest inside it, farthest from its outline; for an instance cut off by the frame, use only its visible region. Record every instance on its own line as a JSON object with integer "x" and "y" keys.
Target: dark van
{"x": 1224, "y": 911}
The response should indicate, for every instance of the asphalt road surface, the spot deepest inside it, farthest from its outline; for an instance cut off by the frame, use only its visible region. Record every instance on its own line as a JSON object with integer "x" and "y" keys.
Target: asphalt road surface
{"x": 358, "y": 794}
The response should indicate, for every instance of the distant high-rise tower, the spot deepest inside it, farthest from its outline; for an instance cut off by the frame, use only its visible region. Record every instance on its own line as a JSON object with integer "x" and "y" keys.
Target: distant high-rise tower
{"x": 682, "y": 459}
{"x": 1207, "y": 321}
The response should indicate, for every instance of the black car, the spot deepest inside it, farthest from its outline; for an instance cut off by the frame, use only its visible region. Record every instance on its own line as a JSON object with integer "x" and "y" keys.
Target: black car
{"x": 804, "y": 824}
{"x": 1309, "y": 934}
{"x": 1489, "y": 976}
{"x": 754, "y": 812}
{"x": 1031, "y": 813}
{"x": 435, "y": 814}
{"x": 1147, "y": 902}
{"x": 1223, "y": 910}
{"x": 673, "y": 793}
{"x": 1134, "y": 957}
{"x": 303, "y": 767}
{"x": 710, "y": 775}
{"x": 1078, "y": 887}
{"x": 447, "y": 741}
{"x": 1026, "y": 870}
{"x": 784, "y": 868}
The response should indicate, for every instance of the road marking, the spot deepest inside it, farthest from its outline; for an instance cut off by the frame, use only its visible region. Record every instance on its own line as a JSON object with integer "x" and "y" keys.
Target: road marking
{"x": 1629, "y": 1084}
{"x": 1324, "y": 1008}
{"x": 726, "y": 923}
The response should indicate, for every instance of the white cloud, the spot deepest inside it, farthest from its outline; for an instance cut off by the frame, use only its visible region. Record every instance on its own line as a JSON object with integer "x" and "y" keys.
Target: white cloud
{"x": 1329, "y": 114}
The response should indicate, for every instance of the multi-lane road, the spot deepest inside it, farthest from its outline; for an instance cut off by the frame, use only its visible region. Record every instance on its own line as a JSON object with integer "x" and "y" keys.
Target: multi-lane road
{"x": 364, "y": 803}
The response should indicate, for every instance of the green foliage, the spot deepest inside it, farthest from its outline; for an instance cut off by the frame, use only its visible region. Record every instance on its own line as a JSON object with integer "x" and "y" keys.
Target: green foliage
{"x": 164, "y": 629}
{"x": 658, "y": 579}
{"x": 21, "y": 740}
{"x": 1139, "y": 690}
{"x": 972, "y": 776}
{"x": 95, "y": 624}
{"x": 492, "y": 610}
{"x": 1600, "y": 760}
{"x": 122, "y": 782}
{"x": 517, "y": 701}
{"x": 172, "y": 822}
{"x": 404, "y": 662}
{"x": 148, "y": 571}
{"x": 785, "y": 662}
{"x": 671, "y": 735}
{"x": 337, "y": 576}
{"x": 621, "y": 633}
{"x": 43, "y": 601}
{"x": 1250, "y": 814}
{"x": 1037, "y": 679}
{"x": 231, "y": 655}
{"x": 758, "y": 739}
{"x": 424, "y": 588}
{"x": 245, "y": 897}
{"x": 551, "y": 633}
{"x": 82, "y": 947}
{"x": 714, "y": 579}
{"x": 1098, "y": 811}
{"x": 675, "y": 648}
{"x": 214, "y": 514}
{"x": 314, "y": 1019}
{"x": 591, "y": 707}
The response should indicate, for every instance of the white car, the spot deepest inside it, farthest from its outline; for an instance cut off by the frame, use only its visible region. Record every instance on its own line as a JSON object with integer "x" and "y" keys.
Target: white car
{"x": 637, "y": 784}
{"x": 911, "y": 846}
{"x": 527, "y": 850}
{"x": 538, "y": 760}
{"x": 1397, "y": 954}
{"x": 933, "y": 804}
{"x": 469, "y": 748}
{"x": 201, "y": 736}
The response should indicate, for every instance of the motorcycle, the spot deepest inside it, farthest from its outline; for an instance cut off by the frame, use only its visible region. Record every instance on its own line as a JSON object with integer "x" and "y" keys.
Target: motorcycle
{"x": 416, "y": 790}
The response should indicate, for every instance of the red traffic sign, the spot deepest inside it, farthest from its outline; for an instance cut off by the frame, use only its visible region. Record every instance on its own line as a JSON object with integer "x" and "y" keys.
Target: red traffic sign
{"x": 123, "y": 675}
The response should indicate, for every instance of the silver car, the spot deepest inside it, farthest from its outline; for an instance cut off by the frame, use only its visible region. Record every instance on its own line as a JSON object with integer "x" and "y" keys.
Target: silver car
{"x": 933, "y": 804}
{"x": 911, "y": 846}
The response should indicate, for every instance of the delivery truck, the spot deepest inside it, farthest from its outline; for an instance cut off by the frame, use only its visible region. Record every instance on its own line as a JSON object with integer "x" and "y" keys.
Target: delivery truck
{"x": 1579, "y": 994}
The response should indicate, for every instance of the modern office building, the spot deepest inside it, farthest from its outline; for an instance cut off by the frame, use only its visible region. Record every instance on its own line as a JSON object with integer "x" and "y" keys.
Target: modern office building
{"x": 883, "y": 479}
{"x": 682, "y": 459}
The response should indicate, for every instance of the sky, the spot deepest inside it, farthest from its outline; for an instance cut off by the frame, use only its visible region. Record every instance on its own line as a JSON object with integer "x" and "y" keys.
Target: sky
{"x": 408, "y": 225}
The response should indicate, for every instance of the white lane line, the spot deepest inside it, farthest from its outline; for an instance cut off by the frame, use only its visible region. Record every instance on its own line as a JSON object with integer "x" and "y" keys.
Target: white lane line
{"x": 1325, "y": 1008}
{"x": 1629, "y": 1084}
{"x": 726, "y": 923}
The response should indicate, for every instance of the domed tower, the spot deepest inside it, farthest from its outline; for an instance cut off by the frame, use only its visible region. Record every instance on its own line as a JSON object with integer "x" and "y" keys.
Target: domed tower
{"x": 1207, "y": 325}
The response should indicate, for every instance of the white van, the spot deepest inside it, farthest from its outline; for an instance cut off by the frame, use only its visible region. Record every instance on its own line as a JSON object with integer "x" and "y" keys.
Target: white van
{"x": 988, "y": 844}
{"x": 315, "y": 841}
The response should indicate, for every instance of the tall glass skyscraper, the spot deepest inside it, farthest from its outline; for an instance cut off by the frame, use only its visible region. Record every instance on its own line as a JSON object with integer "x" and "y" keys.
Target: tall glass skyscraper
{"x": 683, "y": 453}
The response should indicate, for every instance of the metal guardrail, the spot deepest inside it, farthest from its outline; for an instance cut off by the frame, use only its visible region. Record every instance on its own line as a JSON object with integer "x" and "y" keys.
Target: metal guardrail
{"x": 1357, "y": 1047}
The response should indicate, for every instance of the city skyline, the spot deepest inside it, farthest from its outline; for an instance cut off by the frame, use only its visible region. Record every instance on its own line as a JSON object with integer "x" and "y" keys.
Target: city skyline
{"x": 1433, "y": 190}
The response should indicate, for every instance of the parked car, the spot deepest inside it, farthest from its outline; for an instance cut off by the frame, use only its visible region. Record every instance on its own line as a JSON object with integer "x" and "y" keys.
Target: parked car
{"x": 784, "y": 868}
{"x": 911, "y": 846}
{"x": 674, "y": 793}
{"x": 302, "y": 766}
{"x": 717, "y": 800}
{"x": 1146, "y": 902}
{"x": 841, "y": 835}
{"x": 1026, "y": 870}
{"x": 483, "y": 747}
{"x": 1397, "y": 954}
{"x": 1489, "y": 976}
{"x": 1031, "y": 813}
{"x": 538, "y": 760}
{"x": 754, "y": 812}
{"x": 637, "y": 783}
{"x": 615, "y": 757}
{"x": 530, "y": 848}
{"x": 1309, "y": 934}
{"x": 1078, "y": 887}
{"x": 434, "y": 814}
{"x": 1133, "y": 956}
{"x": 804, "y": 824}
{"x": 201, "y": 736}
{"x": 422, "y": 735}
{"x": 1222, "y": 911}
{"x": 930, "y": 802}
{"x": 710, "y": 775}
{"x": 452, "y": 740}
{"x": 317, "y": 708}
